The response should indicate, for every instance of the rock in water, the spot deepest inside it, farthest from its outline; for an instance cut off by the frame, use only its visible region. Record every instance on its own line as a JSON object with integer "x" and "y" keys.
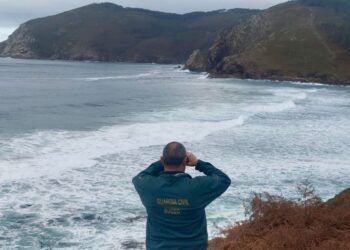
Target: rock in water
{"x": 197, "y": 61}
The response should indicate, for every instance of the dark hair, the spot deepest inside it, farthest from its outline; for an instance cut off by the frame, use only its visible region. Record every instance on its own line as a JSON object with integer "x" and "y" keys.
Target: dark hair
{"x": 174, "y": 153}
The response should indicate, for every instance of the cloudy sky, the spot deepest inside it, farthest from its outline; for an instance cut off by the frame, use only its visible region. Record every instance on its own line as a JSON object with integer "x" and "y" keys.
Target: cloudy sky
{"x": 14, "y": 12}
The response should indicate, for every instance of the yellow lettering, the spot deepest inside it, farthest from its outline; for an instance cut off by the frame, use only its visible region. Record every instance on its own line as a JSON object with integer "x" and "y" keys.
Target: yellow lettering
{"x": 172, "y": 202}
{"x": 172, "y": 210}
{"x": 183, "y": 202}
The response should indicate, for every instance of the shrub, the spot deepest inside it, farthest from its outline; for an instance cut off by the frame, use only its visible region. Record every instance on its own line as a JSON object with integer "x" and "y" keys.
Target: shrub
{"x": 278, "y": 223}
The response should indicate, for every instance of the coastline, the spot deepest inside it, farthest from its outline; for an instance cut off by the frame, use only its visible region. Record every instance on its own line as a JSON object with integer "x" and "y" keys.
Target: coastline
{"x": 181, "y": 65}
{"x": 315, "y": 81}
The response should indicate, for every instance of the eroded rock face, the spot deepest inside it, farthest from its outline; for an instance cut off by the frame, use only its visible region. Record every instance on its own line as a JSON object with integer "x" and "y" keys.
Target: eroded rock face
{"x": 222, "y": 57}
{"x": 197, "y": 61}
{"x": 217, "y": 52}
{"x": 20, "y": 44}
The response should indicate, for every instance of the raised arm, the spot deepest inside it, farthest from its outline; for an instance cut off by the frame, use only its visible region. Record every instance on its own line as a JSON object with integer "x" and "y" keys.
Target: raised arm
{"x": 212, "y": 185}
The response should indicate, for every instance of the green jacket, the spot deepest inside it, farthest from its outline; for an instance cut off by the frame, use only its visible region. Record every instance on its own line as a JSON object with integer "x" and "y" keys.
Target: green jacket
{"x": 175, "y": 204}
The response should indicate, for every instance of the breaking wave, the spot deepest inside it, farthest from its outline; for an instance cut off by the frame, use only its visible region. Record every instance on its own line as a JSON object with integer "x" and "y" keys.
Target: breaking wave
{"x": 92, "y": 79}
{"x": 49, "y": 152}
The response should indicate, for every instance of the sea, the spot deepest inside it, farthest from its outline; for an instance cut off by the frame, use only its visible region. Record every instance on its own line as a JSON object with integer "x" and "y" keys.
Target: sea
{"x": 73, "y": 134}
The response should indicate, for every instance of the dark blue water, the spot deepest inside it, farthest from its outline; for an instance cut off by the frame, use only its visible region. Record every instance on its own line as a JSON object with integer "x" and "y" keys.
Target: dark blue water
{"x": 72, "y": 135}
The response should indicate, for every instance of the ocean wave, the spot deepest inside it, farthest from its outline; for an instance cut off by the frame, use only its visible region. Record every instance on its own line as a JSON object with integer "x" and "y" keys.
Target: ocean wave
{"x": 270, "y": 108}
{"x": 48, "y": 152}
{"x": 92, "y": 79}
{"x": 295, "y": 94}
{"x": 308, "y": 83}
{"x": 297, "y": 83}
{"x": 203, "y": 76}
{"x": 182, "y": 70}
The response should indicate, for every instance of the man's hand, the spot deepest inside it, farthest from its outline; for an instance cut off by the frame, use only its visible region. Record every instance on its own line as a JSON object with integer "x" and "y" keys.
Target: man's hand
{"x": 191, "y": 159}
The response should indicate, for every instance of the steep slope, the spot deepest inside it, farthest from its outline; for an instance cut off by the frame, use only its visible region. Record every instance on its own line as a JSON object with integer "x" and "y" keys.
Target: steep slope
{"x": 305, "y": 40}
{"x": 109, "y": 32}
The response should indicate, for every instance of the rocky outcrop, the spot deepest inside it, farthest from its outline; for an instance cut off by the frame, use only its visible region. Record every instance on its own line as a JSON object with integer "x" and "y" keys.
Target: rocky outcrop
{"x": 197, "y": 61}
{"x": 286, "y": 42}
{"x": 20, "y": 44}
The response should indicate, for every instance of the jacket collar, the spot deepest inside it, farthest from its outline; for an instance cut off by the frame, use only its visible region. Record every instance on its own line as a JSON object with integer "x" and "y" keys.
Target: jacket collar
{"x": 175, "y": 173}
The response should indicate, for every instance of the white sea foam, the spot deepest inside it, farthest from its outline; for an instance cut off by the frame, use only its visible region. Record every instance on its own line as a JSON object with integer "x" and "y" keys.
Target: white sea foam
{"x": 91, "y": 79}
{"x": 182, "y": 70}
{"x": 203, "y": 76}
{"x": 308, "y": 83}
{"x": 271, "y": 108}
{"x": 48, "y": 153}
{"x": 89, "y": 172}
{"x": 292, "y": 93}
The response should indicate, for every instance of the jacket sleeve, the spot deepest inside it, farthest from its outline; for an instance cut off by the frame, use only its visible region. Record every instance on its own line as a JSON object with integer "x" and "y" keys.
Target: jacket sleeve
{"x": 144, "y": 178}
{"x": 212, "y": 185}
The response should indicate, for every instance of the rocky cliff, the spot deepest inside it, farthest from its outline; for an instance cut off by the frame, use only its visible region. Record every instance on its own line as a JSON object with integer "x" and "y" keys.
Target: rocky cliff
{"x": 109, "y": 32}
{"x": 306, "y": 40}
{"x": 19, "y": 44}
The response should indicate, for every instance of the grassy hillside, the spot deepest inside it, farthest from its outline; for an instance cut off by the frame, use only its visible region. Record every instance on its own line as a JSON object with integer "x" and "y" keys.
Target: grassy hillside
{"x": 307, "y": 40}
{"x": 109, "y": 32}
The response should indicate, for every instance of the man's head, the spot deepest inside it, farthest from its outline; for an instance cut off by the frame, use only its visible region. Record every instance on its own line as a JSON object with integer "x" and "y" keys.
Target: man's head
{"x": 174, "y": 157}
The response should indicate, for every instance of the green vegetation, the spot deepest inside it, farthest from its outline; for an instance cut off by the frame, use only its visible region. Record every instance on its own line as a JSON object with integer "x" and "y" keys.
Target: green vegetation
{"x": 335, "y": 4}
{"x": 109, "y": 32}
{"x": 301, "y": 40}
{"x": 339, "y": 31}
{"x": 291, "y": 41}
